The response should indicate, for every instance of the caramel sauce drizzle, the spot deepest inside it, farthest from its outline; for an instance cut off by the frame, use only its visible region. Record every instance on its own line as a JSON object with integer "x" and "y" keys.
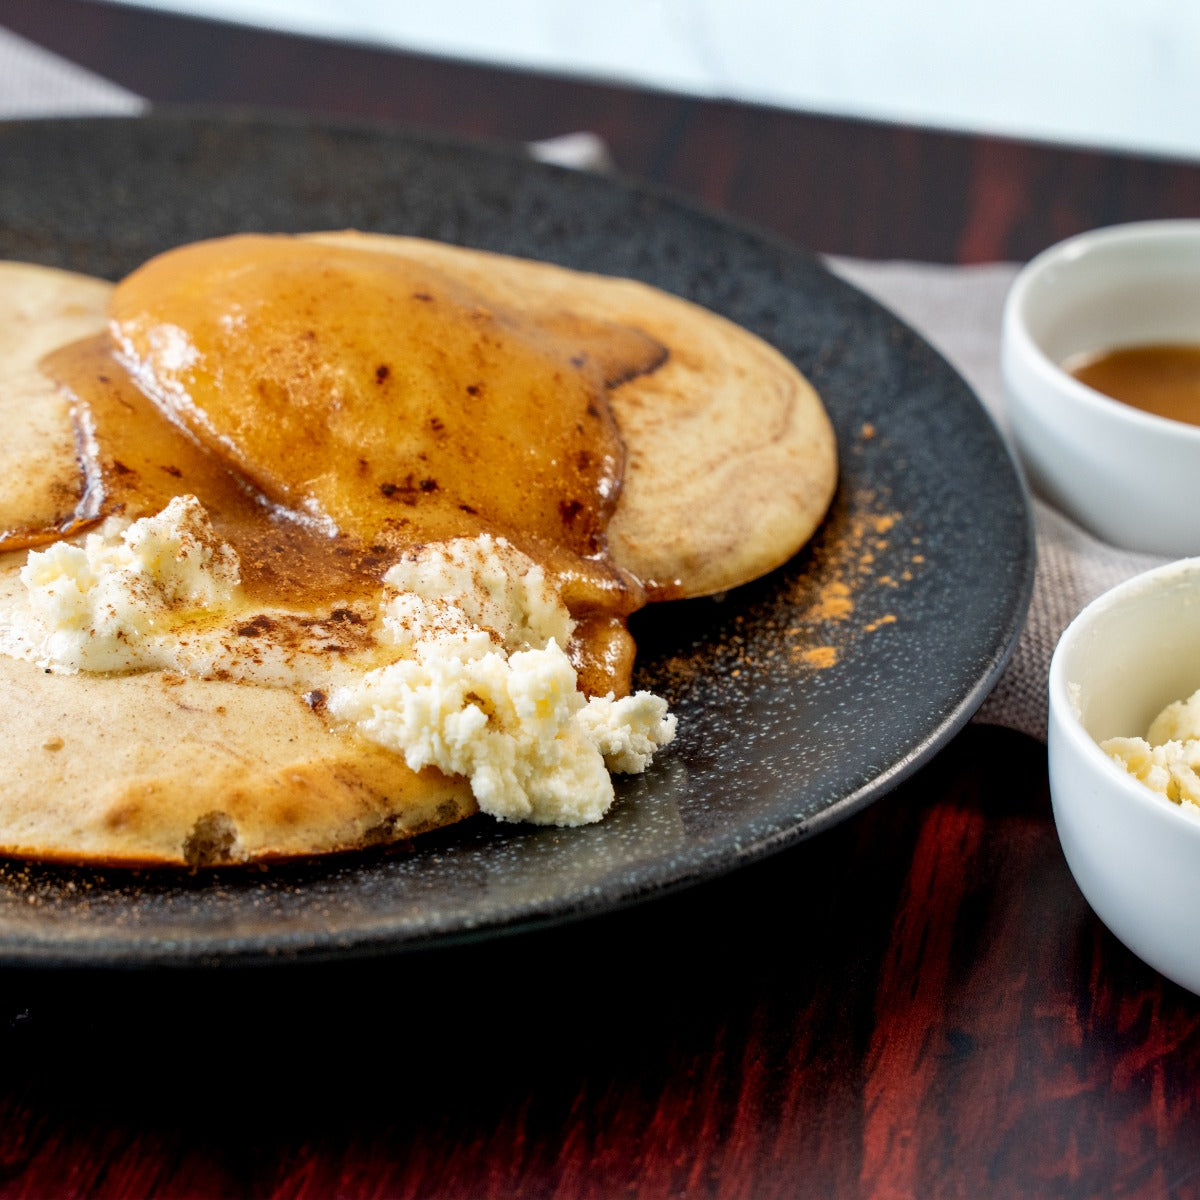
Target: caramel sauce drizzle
{"x": 334, "y": 406}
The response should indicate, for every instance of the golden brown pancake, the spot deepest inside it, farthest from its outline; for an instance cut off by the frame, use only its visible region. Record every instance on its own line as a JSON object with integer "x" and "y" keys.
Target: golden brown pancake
{"x": 728, "y": 466}
{"x": 40, "y": 309}
{"x": 153, "y": 768}
{"x": 731, "y": 460}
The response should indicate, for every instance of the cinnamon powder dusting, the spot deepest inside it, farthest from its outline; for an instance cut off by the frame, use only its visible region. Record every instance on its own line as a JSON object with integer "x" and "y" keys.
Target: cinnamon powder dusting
{"x": 861, "y": 558}
{"x": 820, "y": 657}
{"x": 844, "y": 570}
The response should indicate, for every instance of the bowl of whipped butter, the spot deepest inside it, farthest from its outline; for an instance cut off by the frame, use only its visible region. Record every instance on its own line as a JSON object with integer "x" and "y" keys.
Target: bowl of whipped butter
{"x": 1100, "y": 351}
{"x": 1124, "y": 757}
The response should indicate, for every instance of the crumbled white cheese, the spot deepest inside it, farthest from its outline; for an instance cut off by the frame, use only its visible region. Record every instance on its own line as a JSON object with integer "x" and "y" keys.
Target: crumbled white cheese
{"x": 163, "y": 593}
{"x": 1178, "y": 722}
{"x": 488, "y": 691}
{"x": 466, "y": 670}
{"x": 97, "y": 606}
{"x": 475, "y": 583}
{"x": 516, "y": 725}
{"x": 627, "y": 731}
{"x": 1167, "y": 759}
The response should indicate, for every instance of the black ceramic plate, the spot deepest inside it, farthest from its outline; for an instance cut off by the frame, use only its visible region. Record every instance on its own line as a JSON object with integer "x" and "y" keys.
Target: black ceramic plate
{"x": 800, "y": 698}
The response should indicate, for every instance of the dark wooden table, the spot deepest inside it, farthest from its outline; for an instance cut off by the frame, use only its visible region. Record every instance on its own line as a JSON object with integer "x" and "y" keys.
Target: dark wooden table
{"x": 917, "y": 1003}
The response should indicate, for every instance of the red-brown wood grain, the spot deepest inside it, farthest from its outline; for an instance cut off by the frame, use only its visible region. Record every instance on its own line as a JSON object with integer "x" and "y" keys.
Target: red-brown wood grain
{"x": 917, "y": 1003}
{"x": 837, "y": 186}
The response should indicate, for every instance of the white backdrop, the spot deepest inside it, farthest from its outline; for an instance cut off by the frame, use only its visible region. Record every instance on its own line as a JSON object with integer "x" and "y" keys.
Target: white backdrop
{"x": 1114, "y": 73}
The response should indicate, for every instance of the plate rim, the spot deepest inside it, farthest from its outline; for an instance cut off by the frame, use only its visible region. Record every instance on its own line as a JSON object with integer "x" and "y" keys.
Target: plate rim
{"x": 315, "y": 947}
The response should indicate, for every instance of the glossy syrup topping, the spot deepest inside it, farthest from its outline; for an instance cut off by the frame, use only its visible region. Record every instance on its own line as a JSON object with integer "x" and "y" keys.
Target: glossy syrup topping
{"x": 331, "y": 406}
{"x": 1159, "y": 378}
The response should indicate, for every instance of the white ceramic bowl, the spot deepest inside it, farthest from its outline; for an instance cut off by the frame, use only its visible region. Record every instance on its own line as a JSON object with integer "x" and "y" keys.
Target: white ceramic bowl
{"x": 1134, "y": 854}
{"x": 1131, "y": 478}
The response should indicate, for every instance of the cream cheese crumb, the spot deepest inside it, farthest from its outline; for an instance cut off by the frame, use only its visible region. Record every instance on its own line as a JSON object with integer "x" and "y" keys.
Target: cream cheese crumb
{"x": 489, "y": 693}
{"x": 628, "y": 731}
{"x": 466, "y": 668}
{"x": 94, "y": 607}
{"x": 163, "y": 593}
{"x": 531, "y": 745}
{"x": 1167, "y": 759}
{"x": 475, "y": 583}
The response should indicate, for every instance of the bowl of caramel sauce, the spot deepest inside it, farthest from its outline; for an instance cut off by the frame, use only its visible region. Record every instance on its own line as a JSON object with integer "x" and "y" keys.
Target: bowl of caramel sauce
{"x": 1100, "y": 351}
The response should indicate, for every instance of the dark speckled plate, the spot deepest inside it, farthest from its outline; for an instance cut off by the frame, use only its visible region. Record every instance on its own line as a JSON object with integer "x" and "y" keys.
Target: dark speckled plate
{"x": 801, "y": 698}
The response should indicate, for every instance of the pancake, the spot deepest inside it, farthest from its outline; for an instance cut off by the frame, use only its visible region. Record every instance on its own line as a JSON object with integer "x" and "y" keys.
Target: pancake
{"x": 40, "y": 309}
{"x": 731, "y": 457}
{"x": 150, "y": 768}
{"x": 728, "y": 466}
{"x": 154, "y": 769}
